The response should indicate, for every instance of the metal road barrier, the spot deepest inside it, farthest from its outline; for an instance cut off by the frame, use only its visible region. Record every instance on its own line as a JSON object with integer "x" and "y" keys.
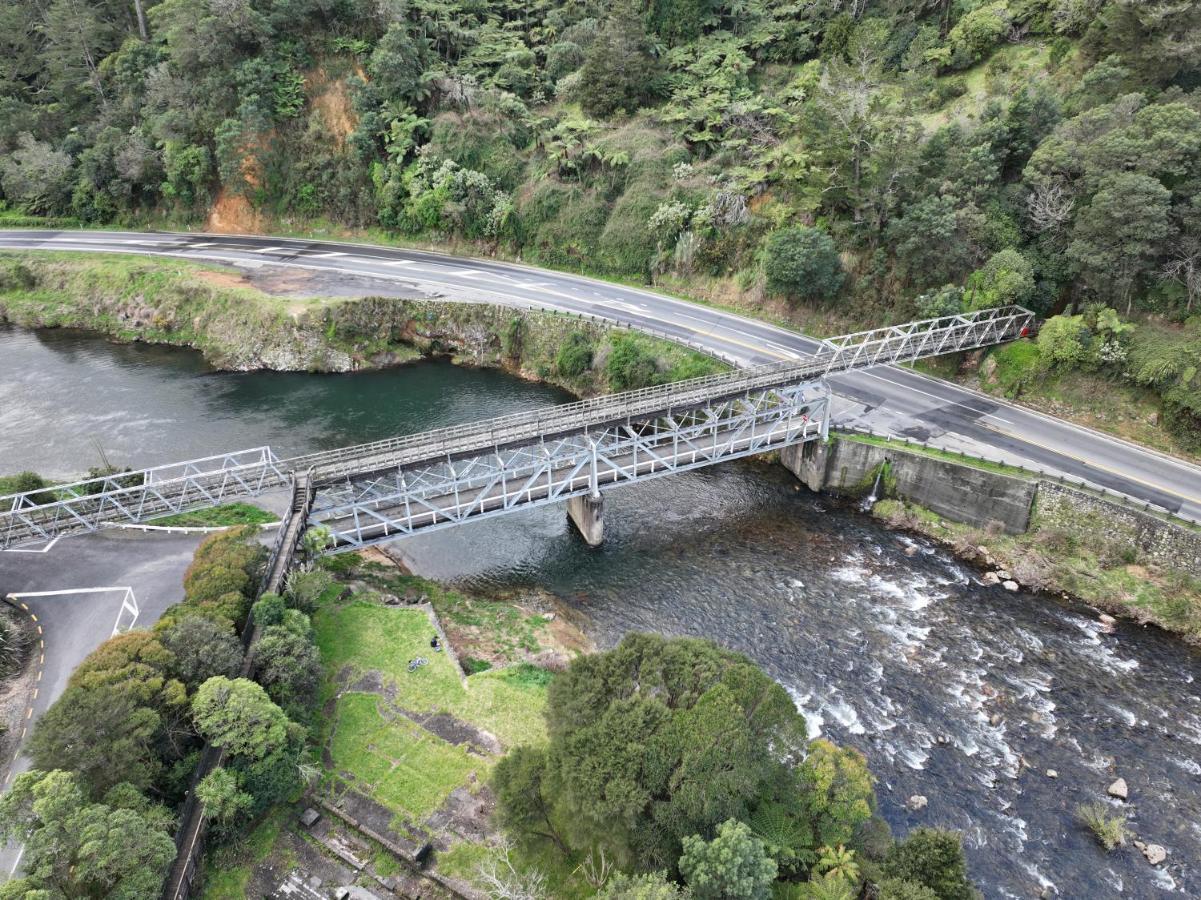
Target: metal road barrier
{"x": 140, "y": 496}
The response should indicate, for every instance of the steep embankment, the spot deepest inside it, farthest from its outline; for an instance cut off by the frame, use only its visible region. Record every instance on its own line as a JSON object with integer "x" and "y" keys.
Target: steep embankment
{"x": 238, "y": 326}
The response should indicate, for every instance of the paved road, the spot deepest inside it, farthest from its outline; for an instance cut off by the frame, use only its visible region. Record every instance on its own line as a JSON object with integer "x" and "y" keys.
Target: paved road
{"x": 887, "y": 400}
{"x": 73, "y": 624}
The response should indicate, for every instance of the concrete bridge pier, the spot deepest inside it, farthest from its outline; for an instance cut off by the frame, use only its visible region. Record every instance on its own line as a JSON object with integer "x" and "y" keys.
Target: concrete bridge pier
{"x": 587, "y": 513}
{"x": 808, "y": 462}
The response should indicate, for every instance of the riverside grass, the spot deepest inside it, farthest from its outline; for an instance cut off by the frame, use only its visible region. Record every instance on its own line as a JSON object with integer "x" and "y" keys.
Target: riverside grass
{"x": 239, "y": 327}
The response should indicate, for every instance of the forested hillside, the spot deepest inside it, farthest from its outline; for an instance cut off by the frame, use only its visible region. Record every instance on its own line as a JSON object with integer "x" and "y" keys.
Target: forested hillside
{"x": 874, "y": 159}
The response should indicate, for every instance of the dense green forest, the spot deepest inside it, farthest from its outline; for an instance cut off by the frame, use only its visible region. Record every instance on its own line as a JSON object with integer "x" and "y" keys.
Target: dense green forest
{"x": 877, "y": 159}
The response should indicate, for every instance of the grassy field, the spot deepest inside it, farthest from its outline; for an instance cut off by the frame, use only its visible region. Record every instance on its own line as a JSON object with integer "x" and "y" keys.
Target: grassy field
{"x": 368, "y": 637}
{"x": 974, "y": 462}
{"x": 395, "y": 761}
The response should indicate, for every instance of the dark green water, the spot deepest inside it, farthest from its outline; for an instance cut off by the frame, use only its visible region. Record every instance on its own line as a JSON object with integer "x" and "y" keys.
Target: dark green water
{"x": 65, "y": 396}
{"x": 962, "y": 693}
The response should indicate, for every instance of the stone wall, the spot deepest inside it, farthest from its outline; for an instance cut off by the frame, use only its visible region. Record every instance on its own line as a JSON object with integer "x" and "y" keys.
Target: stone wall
{"x": 1059, "y": 506}
{"x": 958, "y": 492}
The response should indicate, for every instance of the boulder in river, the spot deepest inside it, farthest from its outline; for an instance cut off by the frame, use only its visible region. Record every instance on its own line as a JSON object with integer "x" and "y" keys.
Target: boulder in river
{"x": 1004, "y": 575}
{"x": 1051, "y": 773}
{"x": 916, "y": 802}
{"x": 1009, "y": 584}
{"x": 991, "y": 578}
{"x": 1155, "y": 854}
{"x": 1118, "y": 789}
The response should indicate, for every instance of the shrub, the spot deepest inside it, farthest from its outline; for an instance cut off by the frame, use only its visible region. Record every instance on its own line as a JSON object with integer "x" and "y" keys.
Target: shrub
{"x": 802, "y": 263}
{"x": 732, "y": 866}
{"x": 208, "y": 583}
{"x": 934, "y": 859}
{"x": 978, "y": 30}
{"x": 1064, "y": 343}
{"x": 575, "y": 356}
{"x": 1107, "y": 827}
{"x": 268, "y": 610}
{"x": 628, "y": 366}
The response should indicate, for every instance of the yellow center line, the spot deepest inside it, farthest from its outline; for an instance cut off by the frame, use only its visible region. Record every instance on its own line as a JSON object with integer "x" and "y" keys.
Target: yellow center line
{"x": 1095, "y": 465}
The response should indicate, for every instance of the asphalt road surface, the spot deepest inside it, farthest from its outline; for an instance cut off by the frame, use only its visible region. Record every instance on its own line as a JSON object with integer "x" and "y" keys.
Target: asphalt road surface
{"x": 72, "y": 618}
{"x": 887, "y": 400}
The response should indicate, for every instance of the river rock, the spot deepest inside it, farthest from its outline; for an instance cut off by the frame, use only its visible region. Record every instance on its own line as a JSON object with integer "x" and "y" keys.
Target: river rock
{"x": 1155, "y": 854}
{"x": 1108, "y": 623}
{"x": 1051, "y": 773}
{"x": 991, "y": 578}
{"x": 917, "y": 802}
{"x": 1004, "y": 575}
{"x": 1118, "y": 789}
{"x": 1009, "y": 584}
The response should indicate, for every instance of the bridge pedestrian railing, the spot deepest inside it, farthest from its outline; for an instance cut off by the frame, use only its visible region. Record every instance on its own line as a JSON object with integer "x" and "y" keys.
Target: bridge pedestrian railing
{"x": 883, "y": 346}
{"x": 196, "y": 484}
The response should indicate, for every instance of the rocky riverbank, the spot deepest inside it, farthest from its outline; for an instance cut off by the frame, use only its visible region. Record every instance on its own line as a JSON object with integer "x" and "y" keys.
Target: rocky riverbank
{"x": 1088, "y": 562}
{"x": 239, "y": 326}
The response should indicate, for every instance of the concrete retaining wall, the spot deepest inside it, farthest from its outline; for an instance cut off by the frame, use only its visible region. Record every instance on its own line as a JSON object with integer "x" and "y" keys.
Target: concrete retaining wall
{"x": 958, "y": 492}
{"x": 1058, "y": 506}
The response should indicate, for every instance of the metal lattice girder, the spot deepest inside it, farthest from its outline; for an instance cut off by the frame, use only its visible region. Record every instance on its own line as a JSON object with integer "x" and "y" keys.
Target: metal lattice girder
{"x": 196, "y": 484}
{"x": 902, "y": 343}
{"x": 441, "y": 493}
{"x": 137, "y": 496}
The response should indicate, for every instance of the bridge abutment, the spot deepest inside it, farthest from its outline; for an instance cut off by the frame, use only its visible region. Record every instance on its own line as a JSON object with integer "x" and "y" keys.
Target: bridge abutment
{"x": 808, "y": 462}
{"x": 587, "y": 513}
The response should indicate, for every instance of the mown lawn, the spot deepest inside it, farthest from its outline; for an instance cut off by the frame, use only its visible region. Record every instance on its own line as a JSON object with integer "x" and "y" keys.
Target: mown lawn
{"x": 396, "y": 761}
{"x": 367, "y": 637}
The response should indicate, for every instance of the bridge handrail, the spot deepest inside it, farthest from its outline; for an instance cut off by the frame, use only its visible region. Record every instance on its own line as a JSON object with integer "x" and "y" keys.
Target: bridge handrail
{"x": 876, "y": 347}
{"x": 880, "y": 346}
{"x": 137, "y": 479}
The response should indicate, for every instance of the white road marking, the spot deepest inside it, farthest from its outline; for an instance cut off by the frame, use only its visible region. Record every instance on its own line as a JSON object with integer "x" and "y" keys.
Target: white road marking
{"x": 334, "y": 255}
{"x": 270, "y": 249}
{"x": 129, "y": 603}
{"x": 941, "y": 400}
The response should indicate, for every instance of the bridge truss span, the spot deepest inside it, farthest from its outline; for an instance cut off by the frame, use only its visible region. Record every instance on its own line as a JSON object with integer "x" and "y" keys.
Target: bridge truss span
{"x": 137, "y": 496}
{"x": 379, "y": 490}
{"x": 448, "y": 491}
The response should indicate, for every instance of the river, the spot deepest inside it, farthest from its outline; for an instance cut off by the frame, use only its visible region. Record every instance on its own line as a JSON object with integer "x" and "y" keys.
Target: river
{"x": 962, "y": 693}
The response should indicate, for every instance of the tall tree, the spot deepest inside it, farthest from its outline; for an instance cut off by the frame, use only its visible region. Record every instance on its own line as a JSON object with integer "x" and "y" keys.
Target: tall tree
{"x": 74, "y": 848}
{"x": 619, "y": 72}
{"x": 1118, "y": 234}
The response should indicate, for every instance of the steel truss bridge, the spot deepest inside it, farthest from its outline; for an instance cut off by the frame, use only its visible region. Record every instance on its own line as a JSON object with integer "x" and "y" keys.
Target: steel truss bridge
{"x": 375, "y": 492}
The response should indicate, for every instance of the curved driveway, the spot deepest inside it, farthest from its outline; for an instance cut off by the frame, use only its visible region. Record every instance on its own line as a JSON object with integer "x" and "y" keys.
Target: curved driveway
{"x": 888, "y": 400}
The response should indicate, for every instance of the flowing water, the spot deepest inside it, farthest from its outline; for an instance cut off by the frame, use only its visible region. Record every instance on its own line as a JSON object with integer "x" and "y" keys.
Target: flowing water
{"x": 962, "y": 693}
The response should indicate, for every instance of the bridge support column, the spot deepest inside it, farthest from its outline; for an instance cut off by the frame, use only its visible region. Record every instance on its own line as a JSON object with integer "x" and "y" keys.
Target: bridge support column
{"x": 807, "y": 462}
{"x": 587, "y": 513}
